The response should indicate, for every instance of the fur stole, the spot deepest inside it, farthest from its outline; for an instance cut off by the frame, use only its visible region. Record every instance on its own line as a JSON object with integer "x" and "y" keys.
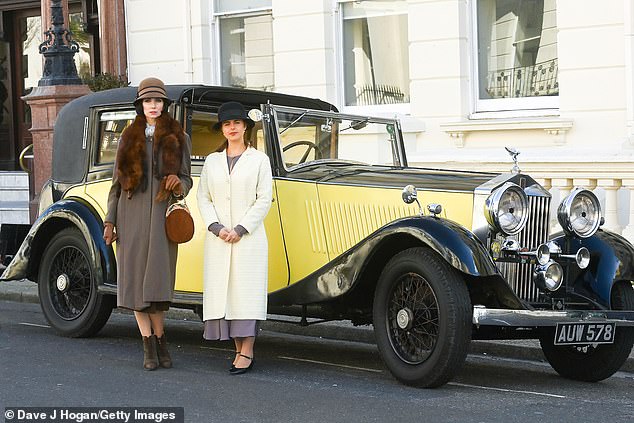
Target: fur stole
{"x": 167, "y": 154}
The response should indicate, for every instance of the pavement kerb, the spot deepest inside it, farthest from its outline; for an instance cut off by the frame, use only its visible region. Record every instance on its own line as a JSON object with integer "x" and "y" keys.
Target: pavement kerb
{"x": 25, "y": 291}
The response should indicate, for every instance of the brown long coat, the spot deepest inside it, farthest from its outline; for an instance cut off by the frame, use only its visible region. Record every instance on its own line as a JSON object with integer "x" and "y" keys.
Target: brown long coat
{"x": 146, "y": 259}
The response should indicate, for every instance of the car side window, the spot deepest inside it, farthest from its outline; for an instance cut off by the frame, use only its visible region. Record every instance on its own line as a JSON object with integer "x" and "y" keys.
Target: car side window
{"x": 111, "y": 125}
{"x": 206, "y": 140}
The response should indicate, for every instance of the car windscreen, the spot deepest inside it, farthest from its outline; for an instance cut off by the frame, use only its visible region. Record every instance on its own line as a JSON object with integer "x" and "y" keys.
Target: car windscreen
{"x": 313, "y": 136}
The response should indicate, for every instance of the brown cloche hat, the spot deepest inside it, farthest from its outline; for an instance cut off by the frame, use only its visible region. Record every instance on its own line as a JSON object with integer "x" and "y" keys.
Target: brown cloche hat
{"x": 232, "y": 110}
{"x": 151, "y": 88}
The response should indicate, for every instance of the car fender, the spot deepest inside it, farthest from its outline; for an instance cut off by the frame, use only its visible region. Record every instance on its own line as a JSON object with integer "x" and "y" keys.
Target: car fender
{"x": 62, "y": 214}
{"x": 457, "y": 245}
{"x": 611, "y": 260}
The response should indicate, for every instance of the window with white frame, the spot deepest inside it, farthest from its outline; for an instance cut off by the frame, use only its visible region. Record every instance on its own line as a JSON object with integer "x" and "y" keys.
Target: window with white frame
{"x": 245, "y": 39}
{"x": 516, "y": 54}
{"x": 375, "y": 52}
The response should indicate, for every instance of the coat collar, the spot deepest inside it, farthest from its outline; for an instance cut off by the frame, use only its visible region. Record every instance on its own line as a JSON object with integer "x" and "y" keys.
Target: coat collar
{"x": 248, "y": 152}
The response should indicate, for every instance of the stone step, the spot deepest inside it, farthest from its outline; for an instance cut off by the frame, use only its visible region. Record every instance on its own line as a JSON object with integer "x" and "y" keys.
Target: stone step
{"x": 12, "y": 193}
{"x": 14, "y": 179}
{"x": 14, "y": 212}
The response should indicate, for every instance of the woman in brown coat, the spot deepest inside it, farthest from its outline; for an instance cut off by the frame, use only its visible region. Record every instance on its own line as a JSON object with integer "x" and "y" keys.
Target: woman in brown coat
{"x": 152, "y": 163}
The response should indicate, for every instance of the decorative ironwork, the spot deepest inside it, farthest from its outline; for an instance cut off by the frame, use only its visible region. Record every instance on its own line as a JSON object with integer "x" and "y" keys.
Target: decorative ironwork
{"x": 58, "y": 50}
{"x": 540, "y": 79}
{"x": 380, "y": 94}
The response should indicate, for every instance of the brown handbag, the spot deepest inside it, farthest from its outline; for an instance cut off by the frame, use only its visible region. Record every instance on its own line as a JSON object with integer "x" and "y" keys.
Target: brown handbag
{"x": 179, "y": 224}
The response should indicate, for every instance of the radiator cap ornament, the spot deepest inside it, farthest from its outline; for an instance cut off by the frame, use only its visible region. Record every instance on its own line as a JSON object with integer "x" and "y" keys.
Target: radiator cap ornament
{"x": 514, "y": 153}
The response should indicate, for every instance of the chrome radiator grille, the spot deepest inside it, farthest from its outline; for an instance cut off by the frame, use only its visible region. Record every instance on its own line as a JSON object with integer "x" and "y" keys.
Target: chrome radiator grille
{"x": 520, "y": 276}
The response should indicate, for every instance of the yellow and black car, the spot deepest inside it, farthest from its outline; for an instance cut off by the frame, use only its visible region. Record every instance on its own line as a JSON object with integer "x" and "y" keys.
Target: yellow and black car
{"x": 349, "y": 240}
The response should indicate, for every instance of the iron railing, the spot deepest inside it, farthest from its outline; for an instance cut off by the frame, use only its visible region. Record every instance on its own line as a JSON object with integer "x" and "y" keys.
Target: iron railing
{"x": 540, "y": 79}
{"x": 380, "y": 94}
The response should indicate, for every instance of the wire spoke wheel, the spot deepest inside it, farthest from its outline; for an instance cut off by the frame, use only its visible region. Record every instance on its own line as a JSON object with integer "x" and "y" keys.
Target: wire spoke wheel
{"x": 422, "y": 318}
{"x": 413, "y": 319}
{"x": 70, "y": 282}
{"x": 67, "y": 286}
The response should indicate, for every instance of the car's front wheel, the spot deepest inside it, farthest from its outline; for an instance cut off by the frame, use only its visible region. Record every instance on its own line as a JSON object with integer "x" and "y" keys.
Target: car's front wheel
{"x": 67, "y": 287}
{"x": 422, "y": 318}
{"x": 592, "y": 363}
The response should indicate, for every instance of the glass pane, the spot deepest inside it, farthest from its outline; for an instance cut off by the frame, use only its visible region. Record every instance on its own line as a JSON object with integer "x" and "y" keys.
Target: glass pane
{"x": 6, "y": 135}
{"x": 111, "y": 125}
{"x": 376, "y": 57}
{"x": 82, "y": 58}
{"x": 206, "y": 140}
{"x": 307, "y": 138}
{"x": 31, "y": 32}
{"x": 225, "y": 6}
{"x": 517, "y": 48}
{"x": 246, "y": 48}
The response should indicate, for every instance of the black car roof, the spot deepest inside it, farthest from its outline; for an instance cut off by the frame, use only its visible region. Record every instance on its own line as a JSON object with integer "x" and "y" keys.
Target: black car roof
{"x": 69, "y": 155}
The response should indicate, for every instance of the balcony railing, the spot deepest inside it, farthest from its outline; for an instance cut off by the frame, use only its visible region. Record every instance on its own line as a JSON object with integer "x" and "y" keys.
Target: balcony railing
{"x": 380, "y": 94}
{"x": 615, "y": 194}
{"x": 537, "y": 80}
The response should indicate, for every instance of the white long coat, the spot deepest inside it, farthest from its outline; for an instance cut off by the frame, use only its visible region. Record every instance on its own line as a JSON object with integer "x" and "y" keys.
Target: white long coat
{"x": 235, "y": 275}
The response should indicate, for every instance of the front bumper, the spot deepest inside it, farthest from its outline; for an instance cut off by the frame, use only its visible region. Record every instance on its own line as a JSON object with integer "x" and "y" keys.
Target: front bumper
{"x": 483, "y": 316}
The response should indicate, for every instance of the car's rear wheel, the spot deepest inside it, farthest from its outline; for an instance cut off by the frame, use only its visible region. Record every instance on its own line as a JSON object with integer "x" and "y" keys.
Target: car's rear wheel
{"x": 68, "y": 289}
{"x": 422, "y": 318}
{"x": 592, "y": 363}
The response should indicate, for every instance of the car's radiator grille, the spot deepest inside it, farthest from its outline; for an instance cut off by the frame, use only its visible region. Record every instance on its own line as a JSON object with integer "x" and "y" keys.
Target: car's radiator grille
{"x": 520, "y": 276}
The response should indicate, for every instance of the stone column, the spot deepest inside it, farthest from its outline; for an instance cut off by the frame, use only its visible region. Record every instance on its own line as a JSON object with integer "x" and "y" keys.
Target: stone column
{"x": 564, "y": 186}
{"x": 587, "y": 183}
{"x": 628, "y": 232}
{"x": 45, "y": 103}
{"x": 611, "y": 186}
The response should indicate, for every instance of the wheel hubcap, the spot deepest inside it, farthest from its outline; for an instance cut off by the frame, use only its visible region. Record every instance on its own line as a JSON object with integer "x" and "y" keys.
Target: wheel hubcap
{"x": 404, "y": 318}
{"x": 62, "y": 282}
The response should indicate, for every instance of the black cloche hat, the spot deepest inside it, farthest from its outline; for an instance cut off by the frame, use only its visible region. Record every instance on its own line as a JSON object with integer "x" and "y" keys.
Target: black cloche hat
{"x": 232, "y": 110}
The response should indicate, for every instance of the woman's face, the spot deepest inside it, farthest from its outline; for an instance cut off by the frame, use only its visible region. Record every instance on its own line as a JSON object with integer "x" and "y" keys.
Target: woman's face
{"x": 234, "y": 129}
{"x": 152, "y": 108}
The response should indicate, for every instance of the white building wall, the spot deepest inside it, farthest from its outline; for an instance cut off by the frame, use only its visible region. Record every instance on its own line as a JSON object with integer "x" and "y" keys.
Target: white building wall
{"x": 169, "y": 39}
{"x": 304, "y": 46}
{"x": 588, "y": 140}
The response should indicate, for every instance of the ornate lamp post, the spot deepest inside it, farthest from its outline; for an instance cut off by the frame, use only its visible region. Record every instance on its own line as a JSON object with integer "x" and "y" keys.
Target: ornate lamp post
{"x": 58, "y": 50}
{"x": 59, "y": 85}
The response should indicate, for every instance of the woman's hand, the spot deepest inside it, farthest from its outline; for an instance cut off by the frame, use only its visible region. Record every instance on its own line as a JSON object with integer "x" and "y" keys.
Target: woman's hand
{"x": 173, "y": 183}
{"x": 230, "y": 236}
{"x": 109, "y": 234}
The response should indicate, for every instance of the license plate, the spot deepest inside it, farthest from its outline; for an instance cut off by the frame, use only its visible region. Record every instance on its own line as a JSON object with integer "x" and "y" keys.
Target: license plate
{"x": 584, "y": 333}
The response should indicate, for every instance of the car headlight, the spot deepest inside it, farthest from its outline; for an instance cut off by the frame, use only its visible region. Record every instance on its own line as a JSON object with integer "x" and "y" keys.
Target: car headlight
{"x": 506, "y": 209}
{"x": 580, "y": 213}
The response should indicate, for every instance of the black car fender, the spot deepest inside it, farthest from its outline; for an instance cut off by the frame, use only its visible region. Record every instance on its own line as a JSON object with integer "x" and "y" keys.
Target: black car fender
{"x": 611, "y": 260}
{"x": 457, "y": 245}
{"x": 62, "y": 214}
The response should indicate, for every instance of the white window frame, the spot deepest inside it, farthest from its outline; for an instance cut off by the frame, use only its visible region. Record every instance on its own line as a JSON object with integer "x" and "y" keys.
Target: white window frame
{"x": 216, "y": 42}
{"x": 388, "y": 110}
{"x": 503, "y": 107}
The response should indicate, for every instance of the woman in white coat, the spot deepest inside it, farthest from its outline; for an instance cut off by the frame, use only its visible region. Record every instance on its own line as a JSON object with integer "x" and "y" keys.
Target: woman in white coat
{"x": 234, "y": 197}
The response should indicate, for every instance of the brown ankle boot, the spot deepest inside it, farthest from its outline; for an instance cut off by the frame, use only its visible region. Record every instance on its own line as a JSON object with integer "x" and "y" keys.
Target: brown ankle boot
{"x": 164, "y": 358}
{"x": 150, "y": 360}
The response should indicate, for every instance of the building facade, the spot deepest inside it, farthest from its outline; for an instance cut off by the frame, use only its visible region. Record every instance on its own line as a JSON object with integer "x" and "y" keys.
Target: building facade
{"x": 551, "y": 78}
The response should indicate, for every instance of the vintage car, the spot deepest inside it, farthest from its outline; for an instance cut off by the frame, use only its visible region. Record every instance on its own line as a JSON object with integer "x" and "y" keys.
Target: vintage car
{"x": 348, "y": 239}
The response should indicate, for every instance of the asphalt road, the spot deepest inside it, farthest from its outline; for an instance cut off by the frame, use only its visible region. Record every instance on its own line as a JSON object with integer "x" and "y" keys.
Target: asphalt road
{"x": 295, "y": 379}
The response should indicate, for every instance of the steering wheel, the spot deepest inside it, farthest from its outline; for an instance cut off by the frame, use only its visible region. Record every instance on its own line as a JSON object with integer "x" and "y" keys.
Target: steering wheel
{"x": 309, "y": 146}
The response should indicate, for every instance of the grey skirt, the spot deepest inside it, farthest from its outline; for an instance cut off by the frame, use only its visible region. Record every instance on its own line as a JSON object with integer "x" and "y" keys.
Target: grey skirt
{"x": 223, "y": 330}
